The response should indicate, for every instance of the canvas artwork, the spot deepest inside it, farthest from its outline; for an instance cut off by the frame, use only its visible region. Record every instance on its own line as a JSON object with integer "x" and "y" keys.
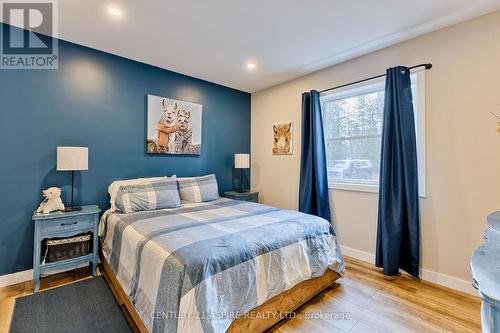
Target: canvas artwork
{"x": 174, "y": 127}
{"x": 283, "y": 136}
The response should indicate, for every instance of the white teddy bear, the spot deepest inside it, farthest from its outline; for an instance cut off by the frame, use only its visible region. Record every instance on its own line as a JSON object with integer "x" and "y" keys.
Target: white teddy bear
{"x": 52, "y": 201}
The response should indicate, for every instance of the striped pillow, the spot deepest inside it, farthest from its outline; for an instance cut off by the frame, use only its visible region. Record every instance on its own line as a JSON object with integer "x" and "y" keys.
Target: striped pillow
{"x": 198, "y": 189}
{"x": 115, "y": 186}
{"x": 148, "y": 196}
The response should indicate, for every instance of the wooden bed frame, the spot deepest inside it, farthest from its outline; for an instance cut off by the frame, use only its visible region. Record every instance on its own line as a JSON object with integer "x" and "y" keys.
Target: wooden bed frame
{"x": 279, "y": 305}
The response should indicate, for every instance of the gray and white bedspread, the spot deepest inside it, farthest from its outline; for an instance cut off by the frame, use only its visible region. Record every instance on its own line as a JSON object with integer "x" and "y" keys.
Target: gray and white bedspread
{"x": 197, "y": 267}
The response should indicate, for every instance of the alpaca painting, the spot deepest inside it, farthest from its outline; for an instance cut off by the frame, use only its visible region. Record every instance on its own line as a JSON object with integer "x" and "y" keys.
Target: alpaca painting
{"x": 282, "y": 143}
{"x": 174, "y": 127}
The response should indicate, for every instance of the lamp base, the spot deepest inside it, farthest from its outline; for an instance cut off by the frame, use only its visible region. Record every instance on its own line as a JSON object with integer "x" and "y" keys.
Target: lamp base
{"x": 72, "y": 209}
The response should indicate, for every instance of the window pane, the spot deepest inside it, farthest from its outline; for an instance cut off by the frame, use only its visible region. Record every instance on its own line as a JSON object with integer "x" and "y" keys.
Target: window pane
{"x": 352, "y": 120}
{"x": 353, "y": 128}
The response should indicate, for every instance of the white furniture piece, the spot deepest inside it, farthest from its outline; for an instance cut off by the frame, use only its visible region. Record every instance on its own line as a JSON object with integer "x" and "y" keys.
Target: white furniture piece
{"x": 485, "y": 267}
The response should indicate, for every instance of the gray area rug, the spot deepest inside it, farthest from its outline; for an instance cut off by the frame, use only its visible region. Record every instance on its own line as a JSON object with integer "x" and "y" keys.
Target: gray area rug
{"x": 86, "y": 306}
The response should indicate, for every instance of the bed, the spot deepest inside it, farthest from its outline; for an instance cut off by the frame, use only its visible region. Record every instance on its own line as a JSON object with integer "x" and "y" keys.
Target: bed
{"x": 217, "y": 266}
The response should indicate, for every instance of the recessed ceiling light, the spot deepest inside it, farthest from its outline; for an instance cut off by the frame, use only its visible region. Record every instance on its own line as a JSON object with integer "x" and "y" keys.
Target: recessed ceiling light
{"x": 251, "y": 65}
{"x": 114, "y": 11}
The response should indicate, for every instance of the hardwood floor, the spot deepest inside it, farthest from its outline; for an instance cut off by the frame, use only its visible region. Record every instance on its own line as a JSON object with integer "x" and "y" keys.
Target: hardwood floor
{"x": 363, "y": 301}
{"x": 373, "y": 304}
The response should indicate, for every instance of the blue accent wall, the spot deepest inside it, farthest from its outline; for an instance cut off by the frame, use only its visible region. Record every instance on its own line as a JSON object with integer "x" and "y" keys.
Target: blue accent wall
{"x": 98, "y": 100}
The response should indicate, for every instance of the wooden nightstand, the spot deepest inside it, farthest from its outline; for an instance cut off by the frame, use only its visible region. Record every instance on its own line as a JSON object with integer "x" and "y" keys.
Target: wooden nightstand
{"x": 245, "y": 196}
{"x": 59, "y": 224}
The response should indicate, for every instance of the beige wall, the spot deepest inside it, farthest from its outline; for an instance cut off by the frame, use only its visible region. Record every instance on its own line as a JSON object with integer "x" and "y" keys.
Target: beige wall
{"x": 463, "y": 149}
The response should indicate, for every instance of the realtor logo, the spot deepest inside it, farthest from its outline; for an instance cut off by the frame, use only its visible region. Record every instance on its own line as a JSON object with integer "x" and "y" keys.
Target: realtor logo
{"x": 26, "y": 35}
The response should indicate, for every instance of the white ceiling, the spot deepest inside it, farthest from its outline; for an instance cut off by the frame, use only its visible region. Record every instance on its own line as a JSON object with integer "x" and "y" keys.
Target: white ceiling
{"x": 214, "y": 39}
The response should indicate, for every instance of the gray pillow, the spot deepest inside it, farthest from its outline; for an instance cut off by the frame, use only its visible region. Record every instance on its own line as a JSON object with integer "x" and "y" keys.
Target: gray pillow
{"x": 159, "y": 194}
{"x": 198, "y": 189}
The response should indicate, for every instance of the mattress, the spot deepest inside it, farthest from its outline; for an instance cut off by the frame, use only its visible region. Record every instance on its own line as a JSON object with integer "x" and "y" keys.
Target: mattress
{"x": 198, "y": 267}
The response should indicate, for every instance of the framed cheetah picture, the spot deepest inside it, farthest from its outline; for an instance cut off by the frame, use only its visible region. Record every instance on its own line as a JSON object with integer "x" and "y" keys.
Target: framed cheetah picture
{"x": 283, "y": 138}
{"x": 174, "y": 127}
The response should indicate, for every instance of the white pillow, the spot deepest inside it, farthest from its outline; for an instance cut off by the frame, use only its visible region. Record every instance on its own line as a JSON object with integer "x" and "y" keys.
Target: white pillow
{"x": 115, "y": 186}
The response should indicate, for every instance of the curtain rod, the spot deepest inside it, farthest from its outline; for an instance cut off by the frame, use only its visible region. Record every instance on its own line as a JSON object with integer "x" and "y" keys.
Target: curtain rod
{"x": 427, "y": 66}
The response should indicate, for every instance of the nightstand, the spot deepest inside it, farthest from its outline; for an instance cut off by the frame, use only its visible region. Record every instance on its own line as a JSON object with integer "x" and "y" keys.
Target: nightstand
{"x": 245, "y": 196}
{"x": 60, "y": 224}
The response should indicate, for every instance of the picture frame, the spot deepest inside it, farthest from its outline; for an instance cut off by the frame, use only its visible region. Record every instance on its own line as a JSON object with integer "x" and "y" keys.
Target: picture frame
{"x": 173, "y": 126}
{"x": 283, "y": 138}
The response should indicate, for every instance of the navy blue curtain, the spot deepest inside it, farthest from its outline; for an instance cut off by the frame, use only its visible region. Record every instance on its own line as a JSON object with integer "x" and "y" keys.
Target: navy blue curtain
{"x": 398, "y": 231}
{"x": 313, "y": 194}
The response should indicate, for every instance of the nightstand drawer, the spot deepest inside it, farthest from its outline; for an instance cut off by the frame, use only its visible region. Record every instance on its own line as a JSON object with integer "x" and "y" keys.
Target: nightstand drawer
{"x": 251, "y": 198}
{"x": 244, "y": 196}
{"x": 68, "y": 224}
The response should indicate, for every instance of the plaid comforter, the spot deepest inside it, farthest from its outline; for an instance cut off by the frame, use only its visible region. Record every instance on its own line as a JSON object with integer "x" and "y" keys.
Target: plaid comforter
{"x": 197, "y": 267}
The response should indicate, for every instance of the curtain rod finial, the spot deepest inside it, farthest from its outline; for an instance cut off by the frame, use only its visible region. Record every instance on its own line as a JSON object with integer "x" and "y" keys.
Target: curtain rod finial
{"x": 428, "y": 66}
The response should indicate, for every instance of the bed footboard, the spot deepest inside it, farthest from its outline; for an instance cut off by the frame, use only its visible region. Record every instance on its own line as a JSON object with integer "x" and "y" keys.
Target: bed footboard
{"x": 257, "y": 320}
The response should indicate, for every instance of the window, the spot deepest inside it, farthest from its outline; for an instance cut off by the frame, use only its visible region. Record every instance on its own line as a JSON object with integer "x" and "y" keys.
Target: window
{"x": 352, "y": 120}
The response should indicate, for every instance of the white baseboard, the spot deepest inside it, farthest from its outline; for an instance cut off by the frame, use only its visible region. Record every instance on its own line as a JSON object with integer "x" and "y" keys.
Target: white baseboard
{"x": 15, "y": 278}
{"x": 448, "y": 281}
{"x": 23, "y": 276}
{"x": 358, "y": 254}
{"x": 425, "y": 274}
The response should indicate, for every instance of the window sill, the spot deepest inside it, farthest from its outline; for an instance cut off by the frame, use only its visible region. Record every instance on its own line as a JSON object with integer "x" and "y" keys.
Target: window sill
{"x": 360, "y": 188}
{"x": 354, "y": 187}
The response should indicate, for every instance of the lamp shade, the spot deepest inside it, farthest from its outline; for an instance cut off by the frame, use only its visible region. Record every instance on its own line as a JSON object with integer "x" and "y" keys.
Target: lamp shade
{"x": 72, "y": 158}
{"x": 242, "y": 161}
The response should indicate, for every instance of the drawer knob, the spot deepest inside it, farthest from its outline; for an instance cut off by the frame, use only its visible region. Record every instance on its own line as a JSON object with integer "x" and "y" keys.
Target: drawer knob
{"x": 64, "y": 224}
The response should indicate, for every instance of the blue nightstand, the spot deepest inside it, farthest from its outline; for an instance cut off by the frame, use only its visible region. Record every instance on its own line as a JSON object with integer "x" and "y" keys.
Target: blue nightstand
{"x": 59, "y": 224}
{"x": 245, "y": 196}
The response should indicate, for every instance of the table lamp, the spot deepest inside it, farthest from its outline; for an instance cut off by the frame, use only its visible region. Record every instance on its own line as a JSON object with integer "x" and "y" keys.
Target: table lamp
{"x": 241, "y": 161}
{"x": 72, "y": 159}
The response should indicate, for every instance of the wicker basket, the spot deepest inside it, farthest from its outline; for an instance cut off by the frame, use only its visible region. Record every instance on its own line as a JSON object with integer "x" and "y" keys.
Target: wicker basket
{"x": 57, "y": 249}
